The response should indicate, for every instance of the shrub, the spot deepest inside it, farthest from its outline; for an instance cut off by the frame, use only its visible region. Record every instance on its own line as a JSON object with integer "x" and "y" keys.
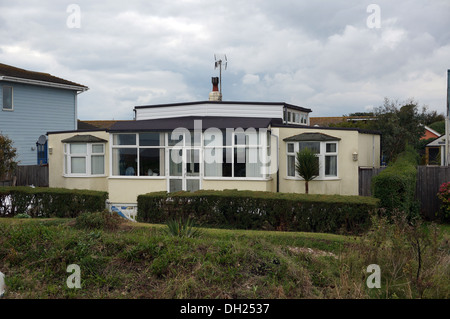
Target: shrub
{"x": 182, "y": 228}
{"x": 49, "y": 202}
{"x": 260, "y": 210}
{"x": 98, "y": 221}
{"x": 7, "y": 157}
{"x": 395, "y": 186}
{"x": 444, "y": 196}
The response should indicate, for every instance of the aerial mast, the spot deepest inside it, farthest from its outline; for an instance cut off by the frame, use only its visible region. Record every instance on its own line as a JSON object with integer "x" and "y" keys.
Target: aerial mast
{"x": 219, "y": 60}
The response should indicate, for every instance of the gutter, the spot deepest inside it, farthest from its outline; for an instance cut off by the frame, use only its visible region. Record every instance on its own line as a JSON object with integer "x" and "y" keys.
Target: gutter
{"x": 44, "y": 83}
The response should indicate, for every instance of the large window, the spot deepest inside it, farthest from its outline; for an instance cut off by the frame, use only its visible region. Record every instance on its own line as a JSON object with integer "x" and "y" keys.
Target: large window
{"x": 138, "y": 154}
{"x": 235, "y": 153}
{"x": 84, "y": 159}
{"x": 7, "y": 92}
{"x": 326, "y": 153}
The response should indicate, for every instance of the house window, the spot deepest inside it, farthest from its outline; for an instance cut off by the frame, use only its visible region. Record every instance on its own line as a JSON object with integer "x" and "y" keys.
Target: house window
{"x": 7, "y": 98}
{"x": 138, "y": 154}
{"x": 84, "y": 159}
{"x": 326, "y": 153}
{"x": 235, "y": 154}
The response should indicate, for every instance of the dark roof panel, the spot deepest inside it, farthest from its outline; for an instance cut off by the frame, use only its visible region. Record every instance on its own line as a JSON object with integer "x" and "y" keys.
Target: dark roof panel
{"x": 84, "y": 139}
{"x": 311, "y": 137}
{"x": 169, "y": 124}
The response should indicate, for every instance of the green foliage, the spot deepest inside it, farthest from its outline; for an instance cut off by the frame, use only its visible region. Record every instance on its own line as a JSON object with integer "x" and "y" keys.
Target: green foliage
{"x": 438, "y": 127}
{"x": 182, "y": 228}
{"x": 395, "y": 186}
{"x": 307, "y": 166}
{"x": 7, "y": 158}
{"x": 260, "y": 210}
{"x": 444, "y": 196}
{"x": 98, "y": 221}
{"x": 49, "y": 202}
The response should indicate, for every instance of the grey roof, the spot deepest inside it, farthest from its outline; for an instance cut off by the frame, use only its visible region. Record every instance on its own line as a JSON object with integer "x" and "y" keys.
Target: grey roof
{"x": 188, "y": 122}
{"x": 311, "y": 137}
{"x": 84, "y": 139}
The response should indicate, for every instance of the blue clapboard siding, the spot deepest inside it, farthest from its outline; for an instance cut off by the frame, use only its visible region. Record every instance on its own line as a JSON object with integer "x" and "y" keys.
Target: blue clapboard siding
{"x": 37, "y": 110}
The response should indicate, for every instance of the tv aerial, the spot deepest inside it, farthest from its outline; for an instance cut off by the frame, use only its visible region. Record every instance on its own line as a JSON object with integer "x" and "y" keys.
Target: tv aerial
{"x": 220, "y": 59}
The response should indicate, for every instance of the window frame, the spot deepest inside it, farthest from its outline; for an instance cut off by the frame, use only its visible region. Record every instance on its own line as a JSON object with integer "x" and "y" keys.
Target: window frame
{"x": 3, "y": 98}
{"x": 68, "y": 155}
{"x": 163, "y": 136}
{"x": 230, "y": 150}
{"x": 322, "y": 159}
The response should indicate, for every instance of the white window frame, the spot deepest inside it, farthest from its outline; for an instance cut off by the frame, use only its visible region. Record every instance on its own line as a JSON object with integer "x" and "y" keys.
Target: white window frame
{"x": 321, "y": 157}
{"x": 87, "y": 157}
{"x": 297, "y": 117}
{"x": 259, "y": 144}
{"x": 163, "y": 172}
{"x": 12, "y": 98}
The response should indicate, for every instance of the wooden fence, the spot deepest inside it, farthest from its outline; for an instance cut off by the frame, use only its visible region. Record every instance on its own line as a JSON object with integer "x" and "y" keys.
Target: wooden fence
{"x": 36, "y": 175}
{"x": 429, "y": 178}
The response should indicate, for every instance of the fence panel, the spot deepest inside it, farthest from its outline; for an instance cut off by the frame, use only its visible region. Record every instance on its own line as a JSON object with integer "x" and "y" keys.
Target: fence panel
{"x": 429, "y": 178}
{"x": 36, "y": 175}
{"x": 365, "y": 179}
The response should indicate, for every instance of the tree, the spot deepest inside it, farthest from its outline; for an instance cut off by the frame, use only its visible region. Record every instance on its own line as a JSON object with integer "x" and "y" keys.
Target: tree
{"x": 399, "y": 124}
{"x": 7, "y": 157}
{"x": 307, "y": 166}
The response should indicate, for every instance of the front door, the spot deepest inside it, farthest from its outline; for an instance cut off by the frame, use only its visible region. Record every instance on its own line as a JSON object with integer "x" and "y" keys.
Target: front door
{"x": 184, "y": 169}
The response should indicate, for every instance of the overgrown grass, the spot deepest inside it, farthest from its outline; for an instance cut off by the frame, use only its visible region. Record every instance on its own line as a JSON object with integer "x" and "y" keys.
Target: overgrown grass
{"x": 136, "y": 260}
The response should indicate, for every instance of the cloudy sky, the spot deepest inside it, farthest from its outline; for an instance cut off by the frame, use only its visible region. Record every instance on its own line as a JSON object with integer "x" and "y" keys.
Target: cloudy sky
{"x": 335, "y": 57}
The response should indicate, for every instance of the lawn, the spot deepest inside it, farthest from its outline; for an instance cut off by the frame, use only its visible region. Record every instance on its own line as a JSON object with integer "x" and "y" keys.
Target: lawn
{"x": 139, "y": 260}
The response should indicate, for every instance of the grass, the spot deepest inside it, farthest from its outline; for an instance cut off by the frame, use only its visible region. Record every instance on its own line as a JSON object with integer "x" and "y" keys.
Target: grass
{"x": 143, "y": 261}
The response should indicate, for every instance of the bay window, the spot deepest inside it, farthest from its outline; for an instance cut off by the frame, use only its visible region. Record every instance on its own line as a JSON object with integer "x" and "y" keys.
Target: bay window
{"x": 326, "y": 153}
{"x": 84, "y": 159}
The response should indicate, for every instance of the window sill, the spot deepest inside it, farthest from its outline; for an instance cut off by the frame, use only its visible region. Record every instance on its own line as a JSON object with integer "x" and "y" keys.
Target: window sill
{"x": 84, "y": 176}
{"x": 315, "y": 179}
{"x": 256, "y": 179}
{"x": 8, "y": 110}
{"x": 137, "y": 177}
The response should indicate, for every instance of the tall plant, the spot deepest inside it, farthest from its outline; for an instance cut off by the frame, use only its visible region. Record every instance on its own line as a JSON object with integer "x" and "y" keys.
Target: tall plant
{"x": 307, "y": 166}
{"x": 7, "y": 157}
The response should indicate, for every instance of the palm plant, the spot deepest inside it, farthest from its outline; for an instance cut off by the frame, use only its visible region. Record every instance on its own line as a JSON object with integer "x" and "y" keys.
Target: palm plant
{"x": 307, "y": 166}
{"x": 182, "y": 228}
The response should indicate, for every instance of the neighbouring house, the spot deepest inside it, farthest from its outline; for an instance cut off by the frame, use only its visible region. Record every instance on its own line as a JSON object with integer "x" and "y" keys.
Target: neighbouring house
{"x": 429, "y": 133}
{"x": 213, "y": 145}
{"x": 327, "y": 121}
{"x": 34, "y": 103}
{"x": 435, "y": 151}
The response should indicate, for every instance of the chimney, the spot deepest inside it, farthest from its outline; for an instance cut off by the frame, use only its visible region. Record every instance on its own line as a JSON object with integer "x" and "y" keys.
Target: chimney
{"x": 215, "y": 95}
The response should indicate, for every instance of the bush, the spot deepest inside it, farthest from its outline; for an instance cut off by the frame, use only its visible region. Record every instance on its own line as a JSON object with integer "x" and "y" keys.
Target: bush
{"x": 49, "y": 202}
{"x": 395, "y": 187}
{"x": 182, "y": 228}
{"x": 444, "y": 196}
{"x": 98, "y": 221}
{"x": 260, "y": 210}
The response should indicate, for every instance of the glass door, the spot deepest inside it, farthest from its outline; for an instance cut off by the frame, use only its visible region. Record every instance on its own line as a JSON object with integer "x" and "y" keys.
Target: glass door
{"x": 184, "y": 163}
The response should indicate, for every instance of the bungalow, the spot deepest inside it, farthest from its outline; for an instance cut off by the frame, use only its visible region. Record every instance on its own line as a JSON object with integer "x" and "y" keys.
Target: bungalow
{"x": 212, "y": 145}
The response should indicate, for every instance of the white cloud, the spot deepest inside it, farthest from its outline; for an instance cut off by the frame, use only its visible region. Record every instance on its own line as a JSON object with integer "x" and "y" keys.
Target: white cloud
{"x": 309, "y": 53}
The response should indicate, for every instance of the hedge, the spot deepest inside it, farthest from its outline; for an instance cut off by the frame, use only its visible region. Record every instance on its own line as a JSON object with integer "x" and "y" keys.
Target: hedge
{"x": 260, "y": 210}
{"x": 395, "y": 186}
{"x": 49, "y": 202}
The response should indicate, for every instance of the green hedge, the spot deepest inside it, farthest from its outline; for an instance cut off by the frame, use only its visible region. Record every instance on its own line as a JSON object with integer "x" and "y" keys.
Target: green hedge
{"x": 49, "y": 202}
{"x": 395, "y": 186}
{"x": 260, "y": 210}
